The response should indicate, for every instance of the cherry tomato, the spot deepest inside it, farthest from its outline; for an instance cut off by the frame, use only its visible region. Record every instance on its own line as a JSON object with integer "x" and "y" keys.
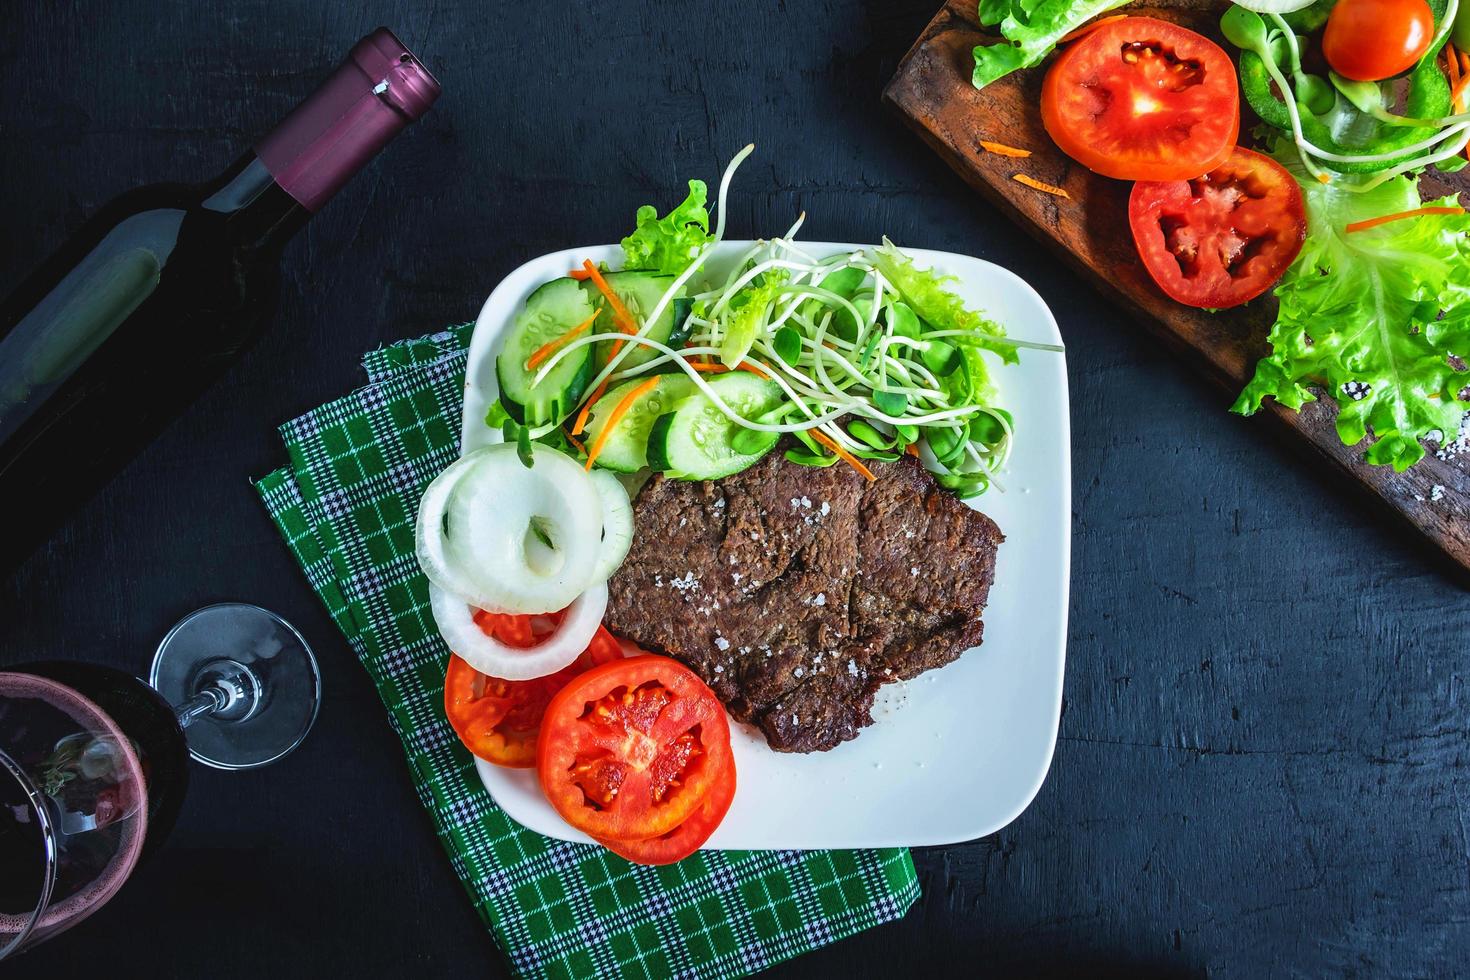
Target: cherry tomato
{"x": 1221, "y": 239}
{"x": 1141, "y": 99}
{"x": 1370, "y": 40}
{"x": 684, "y": 839}
{"x": 630, "y": 750}
{"x": 498, "y": 720}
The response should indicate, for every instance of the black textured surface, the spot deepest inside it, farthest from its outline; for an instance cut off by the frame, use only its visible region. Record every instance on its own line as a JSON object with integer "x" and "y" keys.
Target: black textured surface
{"x": 1260, "y": 765}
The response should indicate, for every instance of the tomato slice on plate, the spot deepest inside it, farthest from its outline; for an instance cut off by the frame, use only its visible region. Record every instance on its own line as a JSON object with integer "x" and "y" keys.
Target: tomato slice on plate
{"x": 1141, "y": 99}
{"x": 1222, "y": 239}
{"x": 684, "y": 839}
{"x": 498, "y": 720}
{"x": 630, "y": 750}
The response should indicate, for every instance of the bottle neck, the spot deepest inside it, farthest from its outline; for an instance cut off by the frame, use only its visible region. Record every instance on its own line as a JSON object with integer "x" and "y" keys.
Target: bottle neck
{"x": 377, "y": 91}
{"x": 270, "y": 192}
{"x": 259, "y": 213}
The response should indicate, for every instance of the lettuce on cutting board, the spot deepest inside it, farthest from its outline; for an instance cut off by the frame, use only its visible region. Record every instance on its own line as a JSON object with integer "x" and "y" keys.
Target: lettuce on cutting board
{"x": 1373, "y": 317}
{"x": 1032, "y": 28}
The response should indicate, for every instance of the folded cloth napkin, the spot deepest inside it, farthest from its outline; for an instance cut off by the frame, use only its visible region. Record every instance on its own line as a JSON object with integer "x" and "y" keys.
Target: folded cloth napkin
{"x": 346, "y": 506}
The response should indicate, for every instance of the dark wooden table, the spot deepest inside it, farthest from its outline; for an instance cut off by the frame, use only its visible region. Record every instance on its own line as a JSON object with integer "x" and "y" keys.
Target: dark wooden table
{"x": 1260, "y": 765}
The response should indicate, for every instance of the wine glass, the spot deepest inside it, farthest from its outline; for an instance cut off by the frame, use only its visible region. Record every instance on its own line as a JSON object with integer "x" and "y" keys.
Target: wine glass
{"x": 93, "y": 760}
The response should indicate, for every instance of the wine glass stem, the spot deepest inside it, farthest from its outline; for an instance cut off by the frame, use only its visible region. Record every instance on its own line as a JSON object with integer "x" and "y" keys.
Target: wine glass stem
{"x": 207, "y": 701}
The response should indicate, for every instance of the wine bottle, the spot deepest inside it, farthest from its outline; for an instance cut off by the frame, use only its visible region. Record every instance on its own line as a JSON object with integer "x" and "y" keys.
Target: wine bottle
{"x": 148, "y": 303}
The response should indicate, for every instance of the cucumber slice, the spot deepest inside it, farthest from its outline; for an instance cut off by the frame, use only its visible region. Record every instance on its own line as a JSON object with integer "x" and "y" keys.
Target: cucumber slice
{"x": 550, "y": 312}
{"x": 627, "y": 444}
{"x": 694, "y": 442}
{"x": 640, "y": 293}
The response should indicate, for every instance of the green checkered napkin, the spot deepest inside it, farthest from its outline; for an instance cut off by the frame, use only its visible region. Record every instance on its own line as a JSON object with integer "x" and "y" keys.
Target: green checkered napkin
{"x": 346, "y": 506}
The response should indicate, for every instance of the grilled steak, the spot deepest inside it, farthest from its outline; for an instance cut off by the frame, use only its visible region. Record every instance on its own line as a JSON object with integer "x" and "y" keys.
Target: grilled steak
{"x": 797, "y": 592}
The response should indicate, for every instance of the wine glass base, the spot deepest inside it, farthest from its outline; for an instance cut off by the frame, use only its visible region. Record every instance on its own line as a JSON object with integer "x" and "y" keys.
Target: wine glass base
{"x": 259, "y": 670}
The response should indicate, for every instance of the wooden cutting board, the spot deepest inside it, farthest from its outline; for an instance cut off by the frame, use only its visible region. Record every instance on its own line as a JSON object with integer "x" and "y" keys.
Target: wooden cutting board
{"x": 932, "y": 91}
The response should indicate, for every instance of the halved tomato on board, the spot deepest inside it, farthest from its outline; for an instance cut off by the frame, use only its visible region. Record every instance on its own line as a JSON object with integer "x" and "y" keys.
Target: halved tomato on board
{"x": 1222, "y": 239}
{"x": 684, "y": 839}
{"x": 1141, "y": 99}
{"x": 630, "y": 750}
{"x": 498, "y": 720}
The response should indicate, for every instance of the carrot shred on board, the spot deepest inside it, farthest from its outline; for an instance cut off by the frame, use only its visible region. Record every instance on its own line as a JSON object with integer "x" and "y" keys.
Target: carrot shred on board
{"x": 1087, "y": 29}
{"x": 580, "y": 274}
{"x": 549, "y": 348}
{"x": 621, "y": 316}
{"x": 1386, "y": 218}
{"x": 581, "y": 422}
{"x": 1035, "y": 184}
{"x": 1003, "y": 150}
{"x": 843, "y": 454}
{"x": 613, "y": 417}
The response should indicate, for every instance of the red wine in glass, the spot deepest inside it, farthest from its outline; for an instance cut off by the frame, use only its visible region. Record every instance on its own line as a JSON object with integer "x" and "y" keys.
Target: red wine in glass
{"x": 93, "y": 761}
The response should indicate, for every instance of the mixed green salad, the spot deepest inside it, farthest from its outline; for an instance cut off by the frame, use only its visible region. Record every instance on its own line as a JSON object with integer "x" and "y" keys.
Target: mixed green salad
{"x": 1354, "y": 99}
{"x": 859, "y": 356}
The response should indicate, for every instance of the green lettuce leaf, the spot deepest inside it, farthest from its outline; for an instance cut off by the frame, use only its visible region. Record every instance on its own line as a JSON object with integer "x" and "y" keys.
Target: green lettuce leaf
{"x": 668, "y": 245}
{"x": 747, "y": 314}
{"x": 1033, "y": 28}
{"x": 928, "y": 295}
{"x": 1373, "y": 318}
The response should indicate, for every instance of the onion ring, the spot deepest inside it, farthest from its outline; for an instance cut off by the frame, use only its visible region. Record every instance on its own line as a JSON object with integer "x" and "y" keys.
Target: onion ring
{"x": 507, "y": 538}
{"x": 429, "y": 537}
{"x": 489, "y": 656}
{"x": 617, "y": 525}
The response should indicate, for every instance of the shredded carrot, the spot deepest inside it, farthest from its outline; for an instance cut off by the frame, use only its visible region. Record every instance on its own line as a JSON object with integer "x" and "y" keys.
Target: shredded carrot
{"x": 579, "y": 274}
{"x": 1087, "y": 29}
{"x": 1457, "y": 94}
{"x": 1452, "y": 69}
{"x": 581, "y": 422}
{"x": 753, "y": 369}
{"x": 621, "y": 316}
{"x": 1324, "y": 178}
{"x": 619, "y": 410}
{"x": 1386, "y": 218}
{"x": 575, "y": 443}
{"x": 1003, "y": 150}
{"x": 912, "y": 449}
{"x": 710, "y": 367}
{"x": 845, "y": 456}
{"x": 547, "y": 349}
{"x": 1464, "y": 73}
{"x": 1038, "y": 185}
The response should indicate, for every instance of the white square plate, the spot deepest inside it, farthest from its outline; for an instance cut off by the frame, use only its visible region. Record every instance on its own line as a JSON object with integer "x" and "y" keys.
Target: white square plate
{"x": 960, "y": 751}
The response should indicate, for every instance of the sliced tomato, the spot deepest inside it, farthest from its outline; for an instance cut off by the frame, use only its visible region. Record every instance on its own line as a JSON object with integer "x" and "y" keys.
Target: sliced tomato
{"x": 1141, "y": 99}
{"x": 1221, "y": 239}
{"x": 498, "y": 720}
{"x": 684, "y": 839}
{"x": 630, "y": 750}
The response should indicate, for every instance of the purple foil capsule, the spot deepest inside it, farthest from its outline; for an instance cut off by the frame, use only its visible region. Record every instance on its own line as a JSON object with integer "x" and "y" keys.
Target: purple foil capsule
{"x": 372, "y": 96}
